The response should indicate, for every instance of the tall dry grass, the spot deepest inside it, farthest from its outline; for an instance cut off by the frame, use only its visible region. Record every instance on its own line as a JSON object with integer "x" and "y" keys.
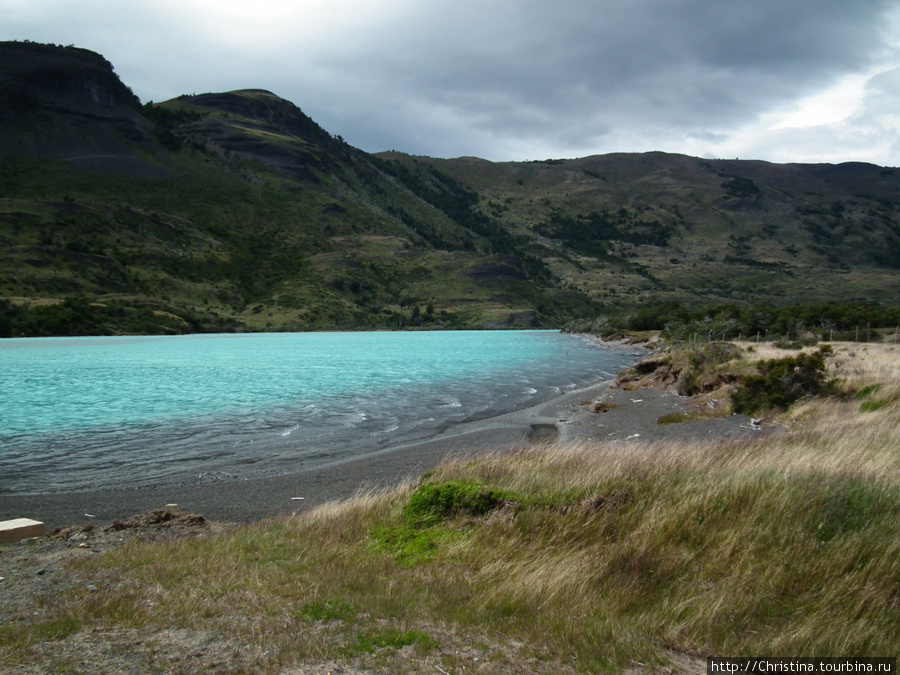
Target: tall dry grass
{"x": 598, "y": 556}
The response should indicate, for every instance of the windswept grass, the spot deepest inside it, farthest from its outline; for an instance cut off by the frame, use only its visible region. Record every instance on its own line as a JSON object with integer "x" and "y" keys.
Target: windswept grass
{"x": 588, "y": 557}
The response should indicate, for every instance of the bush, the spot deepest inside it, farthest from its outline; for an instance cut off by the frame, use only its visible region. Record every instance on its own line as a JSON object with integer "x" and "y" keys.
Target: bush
{"x": 434, "y": 502}
{"x": 714, "y": 354}
{"x": 701, "y": 361}
{"x": 781, "y": 382}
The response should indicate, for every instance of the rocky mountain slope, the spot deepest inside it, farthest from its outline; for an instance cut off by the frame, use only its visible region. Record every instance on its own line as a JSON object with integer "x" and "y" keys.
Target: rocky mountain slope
{"x": 235, "y": 210}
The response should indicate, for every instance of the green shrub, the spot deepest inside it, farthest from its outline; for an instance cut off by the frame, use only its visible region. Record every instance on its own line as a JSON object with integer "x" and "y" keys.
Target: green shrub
{"x": 679, "y": 418}
{"x": 781, "y": 382}
{"x": 870, "y": 404}
{"x": 789, "y": 344}
{"x": 434, "y": 502}
{"x": 714, "y": 354}
{"x": 57, "y": 629}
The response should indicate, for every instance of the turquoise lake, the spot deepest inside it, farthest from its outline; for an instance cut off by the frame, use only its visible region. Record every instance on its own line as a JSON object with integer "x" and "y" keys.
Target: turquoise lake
{"x": 99, "y": 412}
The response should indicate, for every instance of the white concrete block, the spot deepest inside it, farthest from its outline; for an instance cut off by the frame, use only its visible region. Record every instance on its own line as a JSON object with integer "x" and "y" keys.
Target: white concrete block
{"x": 20, "y": 528}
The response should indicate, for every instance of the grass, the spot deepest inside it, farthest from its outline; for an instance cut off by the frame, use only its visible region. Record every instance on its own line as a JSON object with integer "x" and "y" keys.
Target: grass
{"x": 394, "y": 639}
{"x": 680, "y": 418}
{"x": 589, "y": 557}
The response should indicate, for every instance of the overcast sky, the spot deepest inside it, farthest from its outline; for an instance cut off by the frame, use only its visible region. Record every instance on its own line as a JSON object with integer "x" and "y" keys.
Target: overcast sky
{"x": 780, "y": 80}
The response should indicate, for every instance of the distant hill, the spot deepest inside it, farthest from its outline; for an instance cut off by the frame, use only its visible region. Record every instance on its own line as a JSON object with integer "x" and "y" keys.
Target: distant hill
{"x": 625, "y": 228}
{"x": 235, "y": 210}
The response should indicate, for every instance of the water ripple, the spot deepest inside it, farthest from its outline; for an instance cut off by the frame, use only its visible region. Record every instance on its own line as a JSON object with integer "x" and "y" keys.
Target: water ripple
{"x": 84, "y": 413}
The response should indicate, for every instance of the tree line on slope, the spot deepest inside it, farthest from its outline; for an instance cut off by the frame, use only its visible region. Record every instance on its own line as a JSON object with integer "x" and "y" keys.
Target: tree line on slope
{"x": 852, "y": 321}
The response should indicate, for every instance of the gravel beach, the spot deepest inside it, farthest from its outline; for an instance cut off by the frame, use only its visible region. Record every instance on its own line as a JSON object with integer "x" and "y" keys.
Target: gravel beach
{"x": 32, "y": 571}
{"x": 631, "y": 418}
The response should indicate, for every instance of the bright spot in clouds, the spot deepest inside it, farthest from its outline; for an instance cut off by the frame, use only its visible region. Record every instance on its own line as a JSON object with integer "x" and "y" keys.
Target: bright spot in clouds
{"x": 829, "y": 106}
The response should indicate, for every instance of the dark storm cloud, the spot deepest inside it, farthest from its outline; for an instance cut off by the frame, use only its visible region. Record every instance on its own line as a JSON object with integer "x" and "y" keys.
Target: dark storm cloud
{"x": 507, "y": 79}
{"x": 576, "y": 72}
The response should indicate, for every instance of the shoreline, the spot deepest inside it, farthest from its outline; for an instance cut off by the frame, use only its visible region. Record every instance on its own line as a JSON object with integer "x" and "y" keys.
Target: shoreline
{"x": 567, "y": 418}
{"x": 259, "y": 498}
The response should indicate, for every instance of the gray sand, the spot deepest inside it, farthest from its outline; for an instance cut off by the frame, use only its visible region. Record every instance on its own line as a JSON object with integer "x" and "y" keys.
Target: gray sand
{"x": 567, "y": 418}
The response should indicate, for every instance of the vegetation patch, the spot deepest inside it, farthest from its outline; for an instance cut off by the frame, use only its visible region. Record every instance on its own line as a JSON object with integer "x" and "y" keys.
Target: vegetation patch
{"x": 328, "y": 610}
{"x": 796, "y": 344}
{"x": 393, "y": 639}
{"x": 410, "y": 545}
{"x": 76, "y": 315}
{"x": 873, "y": 405}
{"x": 852, "y": 505}
{"x": 792, "y": 325}
{"x": 781, "y": 382}
{"x": 869, "y": 403}
{"x": 740, "y": 383}
{"x": 680, "y": 417}
{"x": 418, "y": 538}
{"x": 57, "y": 629}
{"x": 702, "y": 372}
{"x": 867, "y": 391}
{"x": 435, "y": 502}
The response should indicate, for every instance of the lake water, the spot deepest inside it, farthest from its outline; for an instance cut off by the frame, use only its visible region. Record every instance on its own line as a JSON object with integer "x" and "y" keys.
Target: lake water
{"x": 98, "y": 412}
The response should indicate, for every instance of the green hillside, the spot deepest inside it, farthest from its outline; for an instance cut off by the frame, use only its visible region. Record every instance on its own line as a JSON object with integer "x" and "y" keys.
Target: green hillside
{"x": 654, "y": 227}
{"x": 236, "y": 211}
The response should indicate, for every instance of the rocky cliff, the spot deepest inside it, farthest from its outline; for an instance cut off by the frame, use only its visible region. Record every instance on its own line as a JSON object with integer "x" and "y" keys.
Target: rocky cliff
{"x": 67, "y": 103}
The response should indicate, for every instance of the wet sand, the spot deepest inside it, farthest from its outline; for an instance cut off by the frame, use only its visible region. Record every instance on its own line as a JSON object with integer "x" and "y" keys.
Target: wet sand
{"x": 567, "y": 418}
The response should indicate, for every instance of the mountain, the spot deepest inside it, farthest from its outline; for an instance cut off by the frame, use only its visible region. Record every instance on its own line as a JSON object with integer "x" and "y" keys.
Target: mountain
{"x": 235, "y": 210}
{"x": 638, "y": 228}
{"x": 66, "y": 103}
